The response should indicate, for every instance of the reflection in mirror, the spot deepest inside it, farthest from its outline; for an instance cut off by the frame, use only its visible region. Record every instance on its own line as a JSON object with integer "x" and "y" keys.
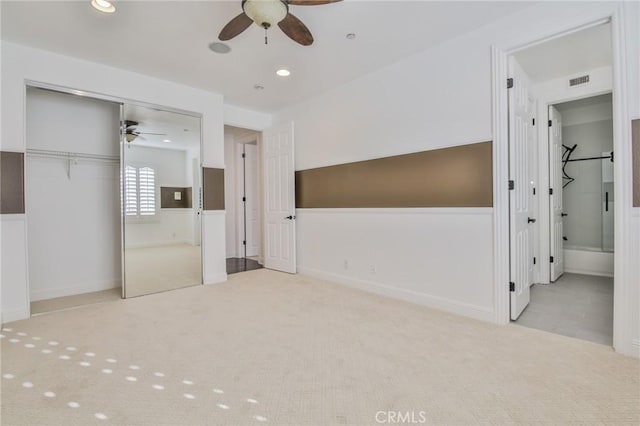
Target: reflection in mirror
{"x": 161, "y": 201}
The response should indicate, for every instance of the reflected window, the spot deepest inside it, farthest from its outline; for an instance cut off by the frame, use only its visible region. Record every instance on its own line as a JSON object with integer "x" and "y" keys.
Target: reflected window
{"x": 140, "y": 191}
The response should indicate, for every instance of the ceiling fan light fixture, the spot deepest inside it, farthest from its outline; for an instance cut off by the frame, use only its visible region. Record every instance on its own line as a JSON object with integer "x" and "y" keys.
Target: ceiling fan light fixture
{"x": 103, "y": 6}
{"x": 283, "y": 72}
{"x": 265, "y": 13}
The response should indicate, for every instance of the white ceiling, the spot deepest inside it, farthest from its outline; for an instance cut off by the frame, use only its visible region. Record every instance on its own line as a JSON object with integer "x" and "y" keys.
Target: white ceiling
{"x": 590, "y": 49}
{"x": 169, "y": 40}
{"x": 182, "y": 130}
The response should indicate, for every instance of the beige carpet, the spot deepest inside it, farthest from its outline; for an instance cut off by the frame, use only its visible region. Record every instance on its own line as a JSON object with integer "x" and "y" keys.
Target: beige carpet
{"x": 271, "y": 348}
{"x": 156, "y": 269}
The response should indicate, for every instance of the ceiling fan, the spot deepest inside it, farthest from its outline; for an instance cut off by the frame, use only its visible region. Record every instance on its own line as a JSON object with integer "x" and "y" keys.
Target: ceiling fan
{"x": 132, "y": 134}
{"x": 266, "y": 13}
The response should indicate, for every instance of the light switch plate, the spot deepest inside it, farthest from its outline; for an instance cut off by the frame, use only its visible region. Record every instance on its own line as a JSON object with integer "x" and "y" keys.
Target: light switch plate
{"x": 177, "y": 195}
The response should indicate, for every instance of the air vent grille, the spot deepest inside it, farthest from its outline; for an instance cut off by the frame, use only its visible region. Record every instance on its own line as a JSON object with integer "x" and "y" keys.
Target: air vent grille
{"x": 579, "y": 80}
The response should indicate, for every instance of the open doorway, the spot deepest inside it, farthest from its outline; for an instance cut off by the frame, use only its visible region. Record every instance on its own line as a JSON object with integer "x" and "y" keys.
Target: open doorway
{"x": 243, "y": 195}
{"x": 561, "y": 185}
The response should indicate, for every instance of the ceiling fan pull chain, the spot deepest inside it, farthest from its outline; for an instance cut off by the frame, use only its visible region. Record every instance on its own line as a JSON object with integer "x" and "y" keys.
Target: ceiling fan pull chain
{"x": 265, "y": 35}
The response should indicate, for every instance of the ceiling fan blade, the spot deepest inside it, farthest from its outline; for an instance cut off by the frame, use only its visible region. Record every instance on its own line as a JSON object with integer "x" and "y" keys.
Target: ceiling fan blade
{"x": 147, "y": 133}
{"x": 235, "y": 27}
{"x": 296, "y": 30}
{"x": 311, "y": 2}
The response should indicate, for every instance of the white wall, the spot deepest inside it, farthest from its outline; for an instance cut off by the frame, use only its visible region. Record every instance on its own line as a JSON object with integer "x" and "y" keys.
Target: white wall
{"x": 633, "y": 296}
{"x": 74, "y": 221}
{"x": 21, "y": 64}
{"x": 437, "y": 98}
{"x": 169, "y": 226}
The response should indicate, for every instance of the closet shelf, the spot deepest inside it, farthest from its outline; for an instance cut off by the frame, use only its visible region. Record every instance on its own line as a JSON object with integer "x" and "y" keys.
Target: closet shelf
{"x": 72, "y": 157}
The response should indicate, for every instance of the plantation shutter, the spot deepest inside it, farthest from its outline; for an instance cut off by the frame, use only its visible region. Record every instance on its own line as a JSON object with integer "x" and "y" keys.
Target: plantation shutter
{"x": 147, "y": 179}
{"x": 131, "y": 191}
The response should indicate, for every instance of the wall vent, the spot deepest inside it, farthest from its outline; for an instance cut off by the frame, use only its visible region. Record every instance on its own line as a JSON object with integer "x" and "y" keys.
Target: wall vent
{"x": 579, "y": 80}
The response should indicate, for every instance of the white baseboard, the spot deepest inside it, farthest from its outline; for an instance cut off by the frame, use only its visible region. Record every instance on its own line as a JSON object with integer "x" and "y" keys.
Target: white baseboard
{"x": 10, "y": 316}
{"x": 588, "y": 262}
{"x": 588, "y": 272}
{"x": 216, "y": 279}
{"x": 75, "y": 290}
{"x": 159, "y": 244}
{"x": 441, "y": 303}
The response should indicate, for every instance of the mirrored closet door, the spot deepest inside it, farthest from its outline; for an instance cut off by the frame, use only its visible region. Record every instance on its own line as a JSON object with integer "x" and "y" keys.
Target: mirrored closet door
{"x": 161, "y": 200}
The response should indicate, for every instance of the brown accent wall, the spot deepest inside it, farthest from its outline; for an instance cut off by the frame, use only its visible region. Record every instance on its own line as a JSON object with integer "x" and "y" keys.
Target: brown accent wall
{"x": 460, "y": 176}
{"x": 11, "y": 182}
{"x": 168, "y": 201}
{"x": 213, "y": 188}
{"x": 635, "y": 148}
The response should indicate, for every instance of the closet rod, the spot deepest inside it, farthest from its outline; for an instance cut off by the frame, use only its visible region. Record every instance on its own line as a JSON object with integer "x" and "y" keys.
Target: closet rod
{"x": 606, "y": 157}
{"x": 71, "y": 155}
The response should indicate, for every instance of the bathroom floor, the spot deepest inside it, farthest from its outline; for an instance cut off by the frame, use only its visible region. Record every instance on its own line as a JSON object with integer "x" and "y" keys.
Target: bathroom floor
{"x": 579, "y": 306}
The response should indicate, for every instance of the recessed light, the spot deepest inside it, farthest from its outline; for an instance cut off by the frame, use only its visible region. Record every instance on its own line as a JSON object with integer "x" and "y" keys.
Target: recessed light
{"x": 103, "y": 6}
{"x": 351, "y": 36}
{"x": 258, "y": 86}
{"x": 283, "y": 72}
{"x": 220, "y": 47}
{"x": 166, "y": 140}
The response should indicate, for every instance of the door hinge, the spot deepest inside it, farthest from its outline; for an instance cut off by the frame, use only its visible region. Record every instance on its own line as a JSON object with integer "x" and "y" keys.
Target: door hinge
{"x": 512, "y": 185}
{"x": 550, "y": 191}
{"x": 534, "y": 260}
{"x": 244, "y": 243}
{"x": 533, "y": 121}
{"x": 243, "y": 155}
{"x": 512, "y": 286}
{"x": 534, "y": 191}
{"x": 550, "y": 123}
{"x": 551, "y": 259}
{"x": 509, "y": 83}
{"x": 244, "y": 199}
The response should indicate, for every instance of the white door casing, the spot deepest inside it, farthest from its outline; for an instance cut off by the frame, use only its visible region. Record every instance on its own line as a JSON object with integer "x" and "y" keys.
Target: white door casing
{"x": 197, "y": 202}
{"x": 251, "y": 196}
{"x": 534, "y": 190}
{"x": 521, "y": 133}
{"x": 556, "y": 261}
{"x": 279, "y": 205}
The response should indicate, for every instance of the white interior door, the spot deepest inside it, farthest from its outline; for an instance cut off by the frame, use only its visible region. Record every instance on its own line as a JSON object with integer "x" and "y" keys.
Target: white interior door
{"x": 279, "y": 206}
{"x": 555, "y": 202}
{"x": 521, "y": 114}
{"x": 251, "y": 197}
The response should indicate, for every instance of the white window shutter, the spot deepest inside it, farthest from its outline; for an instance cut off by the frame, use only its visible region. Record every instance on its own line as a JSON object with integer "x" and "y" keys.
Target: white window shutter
{"x": 131, "y": 191}
{"x": 147, "y": 179}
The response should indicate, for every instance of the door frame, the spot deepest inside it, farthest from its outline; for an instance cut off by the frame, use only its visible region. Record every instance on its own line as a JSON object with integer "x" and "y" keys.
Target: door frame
{"x": 545, "y": 170}
{"x": 122, "y": 101}
{"x": 623, "y": 310}
{"x": 239, "y": 189}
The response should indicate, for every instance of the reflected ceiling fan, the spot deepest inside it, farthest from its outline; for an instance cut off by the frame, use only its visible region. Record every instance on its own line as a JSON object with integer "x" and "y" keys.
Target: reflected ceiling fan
{"x": 266, "y": 13}
{"x": 132, "y": 134}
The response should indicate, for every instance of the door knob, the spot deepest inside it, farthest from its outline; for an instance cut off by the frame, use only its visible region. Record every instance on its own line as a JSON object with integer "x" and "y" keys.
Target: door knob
{"x": 290, "y": 217}
{"x": 529, "y": 220}
{"x": 563, "y": 214}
